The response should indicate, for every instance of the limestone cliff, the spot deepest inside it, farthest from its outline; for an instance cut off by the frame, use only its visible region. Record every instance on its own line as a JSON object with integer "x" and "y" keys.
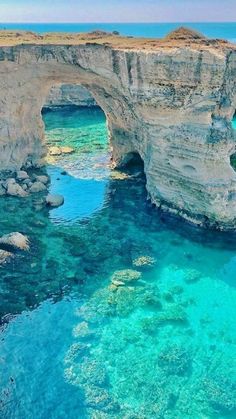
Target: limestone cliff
{"x": 171, "y": 100}
{"x": 69, "y": 94}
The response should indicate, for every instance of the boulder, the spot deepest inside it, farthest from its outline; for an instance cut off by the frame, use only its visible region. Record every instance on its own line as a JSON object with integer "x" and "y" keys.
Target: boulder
{"x": 55, "y": 151}
{"x": 42, "y": 178}
{"x": 14, "y": 189}
{"x": 37, "y": 187}
{"x": 9, "y": 181}
{"x": 22, "y": 175}
{"x": 54, "y": 200}
{"x": 4, "y": 256}
{"x": 15, "y": 240}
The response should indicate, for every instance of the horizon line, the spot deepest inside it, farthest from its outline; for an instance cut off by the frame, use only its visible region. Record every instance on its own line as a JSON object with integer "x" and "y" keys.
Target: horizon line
{"x": 125, "y": 23}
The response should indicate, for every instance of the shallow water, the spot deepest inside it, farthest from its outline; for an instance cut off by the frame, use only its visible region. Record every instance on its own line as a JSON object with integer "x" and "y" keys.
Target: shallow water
{"x": 72, "y": 344}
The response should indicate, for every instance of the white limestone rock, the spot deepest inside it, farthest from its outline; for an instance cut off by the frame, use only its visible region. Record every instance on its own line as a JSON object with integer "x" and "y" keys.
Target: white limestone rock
{"x": 171, "y": 104}
{"x": 54, "y": 200}
{"x": 37, "y": 187}
{"x": 22, "y": 175}
{"x": 14, "y": 189}
{"x": 15, "y": 240}
{"x": 67, "y": 94}
{"x": 42, "y": 178}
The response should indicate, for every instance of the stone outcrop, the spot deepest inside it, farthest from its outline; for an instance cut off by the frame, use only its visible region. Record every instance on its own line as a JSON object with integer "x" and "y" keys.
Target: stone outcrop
{"x": 69, "y": 94}
{"x": 171, "y": 101}
{"x": 15, "y": 241}
{"x": 54, "y": 200}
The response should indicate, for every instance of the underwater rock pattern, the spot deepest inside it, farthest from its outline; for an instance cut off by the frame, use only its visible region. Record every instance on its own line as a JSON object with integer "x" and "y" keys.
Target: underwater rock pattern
{"x": 172, "y": 104}
{"x": 161, "y": 346}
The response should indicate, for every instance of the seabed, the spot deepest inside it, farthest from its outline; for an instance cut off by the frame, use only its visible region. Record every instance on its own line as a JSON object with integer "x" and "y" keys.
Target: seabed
{"x": 116, "y": 311}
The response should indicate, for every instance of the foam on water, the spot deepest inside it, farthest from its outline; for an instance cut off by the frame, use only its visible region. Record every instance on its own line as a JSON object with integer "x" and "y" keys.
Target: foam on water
{"x": 117, "y": 311}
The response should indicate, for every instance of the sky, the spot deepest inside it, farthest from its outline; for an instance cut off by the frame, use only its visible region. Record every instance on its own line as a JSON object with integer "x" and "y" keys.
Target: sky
{"x": 117, "y": 10}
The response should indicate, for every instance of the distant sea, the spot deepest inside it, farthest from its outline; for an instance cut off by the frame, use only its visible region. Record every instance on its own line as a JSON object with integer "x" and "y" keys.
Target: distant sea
{"x": 149, "y": 30}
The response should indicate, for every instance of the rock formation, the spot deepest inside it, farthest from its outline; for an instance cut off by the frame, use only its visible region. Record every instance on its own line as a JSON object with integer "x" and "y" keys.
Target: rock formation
{"x": 171, "y": 101}
{"x": 69, "y": 94}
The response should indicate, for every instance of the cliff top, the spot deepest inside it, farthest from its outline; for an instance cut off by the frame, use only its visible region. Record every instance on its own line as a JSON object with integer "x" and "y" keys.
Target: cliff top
{"x": 179, "y": 37}
{"x": 184, "y": 34}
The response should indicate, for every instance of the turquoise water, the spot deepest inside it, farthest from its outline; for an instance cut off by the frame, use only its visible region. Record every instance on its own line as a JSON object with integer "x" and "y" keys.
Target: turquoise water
{"x": 117, "y": 310}
{"x": 153, "y": 30}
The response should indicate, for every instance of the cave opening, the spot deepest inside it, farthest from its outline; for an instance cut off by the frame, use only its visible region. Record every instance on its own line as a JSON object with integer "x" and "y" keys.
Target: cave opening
{"x": 78, "y": 155}
{"x": 133, "y": 164}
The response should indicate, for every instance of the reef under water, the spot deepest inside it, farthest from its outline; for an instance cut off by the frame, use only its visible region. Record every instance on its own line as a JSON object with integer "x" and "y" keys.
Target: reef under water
{"x": 117, "y": 310}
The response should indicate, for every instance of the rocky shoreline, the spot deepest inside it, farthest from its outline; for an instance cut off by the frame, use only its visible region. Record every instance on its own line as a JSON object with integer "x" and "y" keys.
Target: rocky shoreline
{"x": 21, "y": 184}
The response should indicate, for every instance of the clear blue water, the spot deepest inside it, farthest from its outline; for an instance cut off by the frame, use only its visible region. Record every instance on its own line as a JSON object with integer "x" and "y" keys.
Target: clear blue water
{"x": 153, "y": 30}
{"x": 81, "y": 336}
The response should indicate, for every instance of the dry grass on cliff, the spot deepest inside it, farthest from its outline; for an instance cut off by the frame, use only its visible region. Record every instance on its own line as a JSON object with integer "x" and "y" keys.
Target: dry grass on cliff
{"x": 179, "y": 37}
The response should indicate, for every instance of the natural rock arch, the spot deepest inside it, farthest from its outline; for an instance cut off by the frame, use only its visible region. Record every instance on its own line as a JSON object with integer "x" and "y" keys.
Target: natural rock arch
{"x": 172, "y": 104}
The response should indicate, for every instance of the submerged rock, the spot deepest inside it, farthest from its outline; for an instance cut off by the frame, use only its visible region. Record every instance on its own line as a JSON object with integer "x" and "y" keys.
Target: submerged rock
{"x": 2, "y": 190}
{"x": 15, "y": 240}
{"x": 4, "y": 256}
{"x": 67, "y": 150}
{"x": 126, "y": 275}
{"x": 55, "y": 151}
{"x": 54, "y": 200}
{"x": 144, "y": 261}
{"x": 37, "y": 187}
{"x": 99, "y": 398}
{"x": 174, "y": 360}
{"x": 82, "y": 330}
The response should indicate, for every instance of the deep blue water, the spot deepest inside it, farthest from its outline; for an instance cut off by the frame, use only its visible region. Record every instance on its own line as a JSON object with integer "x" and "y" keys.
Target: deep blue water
{"x": 117, "y": 311}
{"x": 152, "y": 30}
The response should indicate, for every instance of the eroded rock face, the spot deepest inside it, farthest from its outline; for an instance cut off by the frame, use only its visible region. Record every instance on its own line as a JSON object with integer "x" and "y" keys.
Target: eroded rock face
{"x": 69, "y": 94}
{"x": 172, "y": 104}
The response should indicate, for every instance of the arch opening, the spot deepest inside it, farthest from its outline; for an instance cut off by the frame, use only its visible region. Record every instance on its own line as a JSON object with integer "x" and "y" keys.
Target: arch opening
{"x": 78, "y": 157}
